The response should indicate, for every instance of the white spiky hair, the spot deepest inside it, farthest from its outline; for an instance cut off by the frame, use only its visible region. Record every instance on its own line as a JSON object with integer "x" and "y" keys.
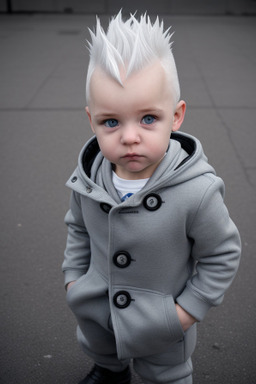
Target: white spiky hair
{"x": 131, "y": 45}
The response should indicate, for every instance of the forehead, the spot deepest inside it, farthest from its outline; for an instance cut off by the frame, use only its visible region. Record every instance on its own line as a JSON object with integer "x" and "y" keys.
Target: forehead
{"x": 145, "y": 87}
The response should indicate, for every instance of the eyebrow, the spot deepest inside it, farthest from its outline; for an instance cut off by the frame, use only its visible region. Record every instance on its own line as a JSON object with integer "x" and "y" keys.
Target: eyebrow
{"x": 104, "y": 115}
{"x": 150, "y": 110}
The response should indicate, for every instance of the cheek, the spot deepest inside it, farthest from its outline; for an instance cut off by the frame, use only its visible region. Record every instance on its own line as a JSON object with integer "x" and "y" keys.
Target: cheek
{"x": 159, "y": 144}
{"x": 107, "y": 147}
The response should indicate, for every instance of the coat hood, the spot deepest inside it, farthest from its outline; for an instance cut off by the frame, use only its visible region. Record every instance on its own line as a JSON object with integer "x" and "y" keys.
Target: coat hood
{"x": 184, "y": 160}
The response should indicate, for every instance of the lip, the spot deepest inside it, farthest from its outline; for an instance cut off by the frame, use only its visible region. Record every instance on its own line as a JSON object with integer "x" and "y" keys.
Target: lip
{"x": 132, "y": 156}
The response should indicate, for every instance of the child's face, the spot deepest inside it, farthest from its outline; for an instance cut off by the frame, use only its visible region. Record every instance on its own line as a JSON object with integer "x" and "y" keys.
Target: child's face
{"x": 133, "y": 123}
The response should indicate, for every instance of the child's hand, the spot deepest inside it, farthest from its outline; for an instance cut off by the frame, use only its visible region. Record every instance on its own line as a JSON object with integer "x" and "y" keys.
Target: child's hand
{"x": 70, "y": 284}
{"x": 185, "y": 318}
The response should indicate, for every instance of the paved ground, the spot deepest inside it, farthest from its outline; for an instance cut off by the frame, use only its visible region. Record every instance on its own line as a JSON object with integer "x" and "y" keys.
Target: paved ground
{"x": 43, "y": 126}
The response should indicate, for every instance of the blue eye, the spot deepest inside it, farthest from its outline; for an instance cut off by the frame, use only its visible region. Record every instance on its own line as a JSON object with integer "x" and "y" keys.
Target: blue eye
{"x": 148, "y": 119}
{"x": 111, "y": 123}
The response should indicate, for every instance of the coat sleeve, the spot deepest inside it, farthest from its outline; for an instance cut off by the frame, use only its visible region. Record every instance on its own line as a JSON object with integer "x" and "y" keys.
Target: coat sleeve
{"x": 77, "y": 252}
{"x": 216, "y": 247}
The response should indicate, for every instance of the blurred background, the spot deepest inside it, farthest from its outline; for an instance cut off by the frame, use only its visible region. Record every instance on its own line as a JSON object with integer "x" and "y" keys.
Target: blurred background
{"x": 220, "y": 7}
{"x": 43, "y": 125}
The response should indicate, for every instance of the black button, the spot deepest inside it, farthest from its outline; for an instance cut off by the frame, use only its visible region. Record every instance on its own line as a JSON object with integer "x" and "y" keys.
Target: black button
{"x": 105, "y": 207}
{"x": 152, "y": 202}
{"x": 122, "y": 299}
{"x": 122, "y": 259}
{"x": 74, "y": 179}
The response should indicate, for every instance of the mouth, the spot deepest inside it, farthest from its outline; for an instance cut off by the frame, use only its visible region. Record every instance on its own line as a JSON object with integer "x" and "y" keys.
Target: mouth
{"x": 132, "y": 156}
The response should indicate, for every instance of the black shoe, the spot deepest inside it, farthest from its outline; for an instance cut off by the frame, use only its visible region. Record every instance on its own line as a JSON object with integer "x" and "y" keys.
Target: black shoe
{"x": 99, "y": 375}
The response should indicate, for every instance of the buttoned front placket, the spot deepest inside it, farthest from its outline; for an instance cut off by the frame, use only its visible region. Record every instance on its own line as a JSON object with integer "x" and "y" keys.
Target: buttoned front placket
{"x": 120, "y": 259}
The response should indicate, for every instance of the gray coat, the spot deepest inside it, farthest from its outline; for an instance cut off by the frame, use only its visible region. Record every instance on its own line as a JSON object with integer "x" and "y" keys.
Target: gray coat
{"x": 171, "y": 242}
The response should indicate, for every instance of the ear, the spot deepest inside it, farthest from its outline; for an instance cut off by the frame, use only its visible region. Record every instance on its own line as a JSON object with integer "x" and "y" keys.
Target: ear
{"x": 90, "y": 118}
{"x": 179, "y": 115}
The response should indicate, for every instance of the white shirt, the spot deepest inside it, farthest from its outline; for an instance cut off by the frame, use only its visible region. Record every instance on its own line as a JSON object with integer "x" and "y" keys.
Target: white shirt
{"x": 127, "y": 188}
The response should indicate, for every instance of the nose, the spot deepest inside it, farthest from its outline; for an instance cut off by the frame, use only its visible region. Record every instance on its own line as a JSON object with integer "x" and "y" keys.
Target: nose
{"x": 130, "y": 134}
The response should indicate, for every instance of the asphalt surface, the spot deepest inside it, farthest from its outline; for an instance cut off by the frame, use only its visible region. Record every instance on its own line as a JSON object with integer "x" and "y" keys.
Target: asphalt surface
{"x": 43, "y": 126}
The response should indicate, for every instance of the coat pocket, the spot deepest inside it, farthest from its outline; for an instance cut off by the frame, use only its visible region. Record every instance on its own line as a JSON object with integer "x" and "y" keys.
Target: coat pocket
{"x": 148, "y": 326}
{"x": 88, "y": 299}
{"x": 89, "y": 302}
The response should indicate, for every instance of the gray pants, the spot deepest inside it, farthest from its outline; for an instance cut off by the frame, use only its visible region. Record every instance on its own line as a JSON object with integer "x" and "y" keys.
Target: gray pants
{"x": 157, "y": 369}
